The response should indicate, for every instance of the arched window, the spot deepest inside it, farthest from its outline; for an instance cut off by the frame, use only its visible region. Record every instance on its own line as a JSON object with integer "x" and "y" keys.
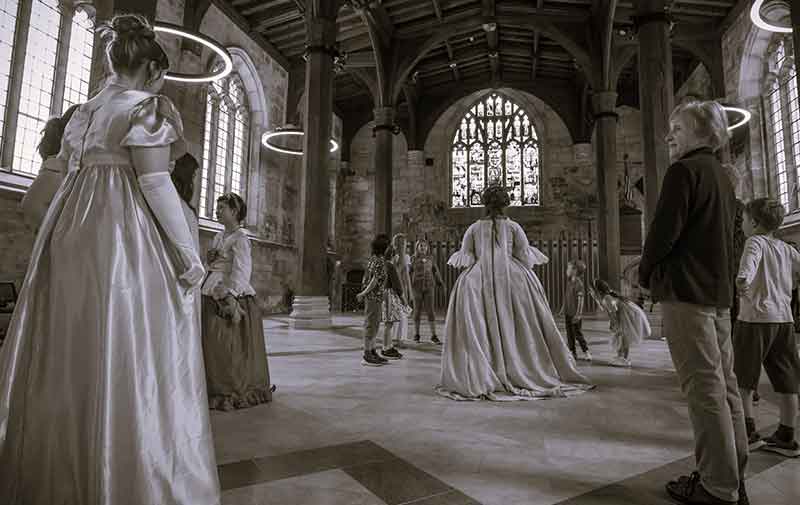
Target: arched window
{"x": 495, "y": 142}
{"x": 56, "y": 61}
{"x": 782, "y": 123}
{"x": 225, "y": 143}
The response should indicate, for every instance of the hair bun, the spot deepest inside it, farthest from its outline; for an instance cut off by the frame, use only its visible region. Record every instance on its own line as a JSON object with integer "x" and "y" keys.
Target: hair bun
{"x": 128, "y": 26}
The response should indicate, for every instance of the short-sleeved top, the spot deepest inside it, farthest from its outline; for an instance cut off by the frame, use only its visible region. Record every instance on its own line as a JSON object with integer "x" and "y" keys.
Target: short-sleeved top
{"x": 768, "y": 266}
{"x": 376, "y": 267}
{"x": 574, "y": 290}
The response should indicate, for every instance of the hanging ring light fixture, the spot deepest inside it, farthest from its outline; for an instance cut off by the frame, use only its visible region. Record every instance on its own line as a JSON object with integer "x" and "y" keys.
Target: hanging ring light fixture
{"x": 288, "y": 131}
{"x": 224, "y": 55}
{"x": 755, "y": 17}
{"x": 738, "y": 111}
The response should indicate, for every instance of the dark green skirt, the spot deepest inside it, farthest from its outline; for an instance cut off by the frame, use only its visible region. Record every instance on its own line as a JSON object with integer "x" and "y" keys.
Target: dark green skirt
{"x": 235, "y": 357}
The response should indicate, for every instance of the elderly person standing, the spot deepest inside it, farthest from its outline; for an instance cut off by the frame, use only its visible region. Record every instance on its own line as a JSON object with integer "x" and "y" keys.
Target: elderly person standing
{"x": 686, "y": 264}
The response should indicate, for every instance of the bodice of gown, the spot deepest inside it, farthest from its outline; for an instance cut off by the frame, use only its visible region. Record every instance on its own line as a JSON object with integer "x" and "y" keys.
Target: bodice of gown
{"x": 231, "y": 269}
{"x": 484, "y": 237}
{"x": 102, "y": 130}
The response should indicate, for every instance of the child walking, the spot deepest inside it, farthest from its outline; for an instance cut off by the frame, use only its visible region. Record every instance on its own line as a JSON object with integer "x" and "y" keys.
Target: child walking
{"x": 629, "y": 324}
{"x": 573, "y": 309}
{"x": 393, "y": 307}
{"x": 374, "y": 286}
{"x": 764, "y": 331}
{"x": 424, "y": 276}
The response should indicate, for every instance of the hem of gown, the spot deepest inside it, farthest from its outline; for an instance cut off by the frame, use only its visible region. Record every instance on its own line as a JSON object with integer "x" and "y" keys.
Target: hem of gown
{"x": 236, "y": 401}
{"x": 519, "y": 394}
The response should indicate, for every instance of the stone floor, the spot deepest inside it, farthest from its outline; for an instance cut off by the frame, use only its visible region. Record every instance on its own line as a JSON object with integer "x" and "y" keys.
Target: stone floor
{"x": 338, "y": 433}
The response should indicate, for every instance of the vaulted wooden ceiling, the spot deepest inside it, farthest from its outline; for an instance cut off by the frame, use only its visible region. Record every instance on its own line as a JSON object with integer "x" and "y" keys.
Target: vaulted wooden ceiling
{"x": 512, "y": 50}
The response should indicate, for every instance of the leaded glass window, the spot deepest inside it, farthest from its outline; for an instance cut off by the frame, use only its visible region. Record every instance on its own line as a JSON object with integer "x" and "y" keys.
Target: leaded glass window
{"x": 79, "y": 64}
{"x": 495, "y": 142}
{"x": 225, "y": 143}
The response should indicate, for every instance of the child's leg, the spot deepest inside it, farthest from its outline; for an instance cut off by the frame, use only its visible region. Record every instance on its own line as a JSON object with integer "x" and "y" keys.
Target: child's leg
{"x": 371, "y": 323}
{"x": 747, "y": 403}
{"x": 783, "y": 368}
{"x": 624, "y": 350}
{"x": 788, "y": 407}
{"x": 387, "y": 335}
{"x": 429, "y": 309}
{"x": 418, "y": 299}
{"x": 570, "y": 334}
{"x": 578, "y": 332}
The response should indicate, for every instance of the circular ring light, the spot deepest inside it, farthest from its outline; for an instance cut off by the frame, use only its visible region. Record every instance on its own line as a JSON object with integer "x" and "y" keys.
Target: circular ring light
{"x": 288, "y": 132}
{"x": 744, "y": 113}
{"x": 224, "y": 55}
{"x": 755, "y": 17}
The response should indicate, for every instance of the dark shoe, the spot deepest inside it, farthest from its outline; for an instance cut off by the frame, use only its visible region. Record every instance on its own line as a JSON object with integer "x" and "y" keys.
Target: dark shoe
{"x": 436, "y": 340}
{"x": 417, "y": 338}
{"x": 790, "y": 448}
{"x": 382, "y": 360}
{"x": 756, "y": 397}
{"x": 689, "y": 490}
{"x": 743, "y": 499}
{"x": 391, "y": 354}
{"x": 372, "y": 360}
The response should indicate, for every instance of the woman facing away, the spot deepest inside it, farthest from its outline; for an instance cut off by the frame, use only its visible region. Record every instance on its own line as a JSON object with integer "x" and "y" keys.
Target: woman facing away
{"x": 501, "y": 341}
{"x": 102, "y": 388}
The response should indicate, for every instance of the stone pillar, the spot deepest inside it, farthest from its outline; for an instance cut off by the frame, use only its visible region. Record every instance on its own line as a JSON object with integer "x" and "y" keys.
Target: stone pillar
{"x": 311, "y": 307}
{"x": 794, "y": 5}
{"x": 605, "y": 115}
{"x": 62, "y": 57}
{"x": 384, "y": 123}
{"x": 656, "y": 95}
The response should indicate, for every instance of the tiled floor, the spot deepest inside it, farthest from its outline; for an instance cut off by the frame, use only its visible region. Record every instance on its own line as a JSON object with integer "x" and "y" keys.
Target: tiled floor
{"x": 338, "y": 433}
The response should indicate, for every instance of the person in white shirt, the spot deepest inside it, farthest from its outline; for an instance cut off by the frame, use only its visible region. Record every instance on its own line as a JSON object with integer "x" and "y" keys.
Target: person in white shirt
{"x": 764, "y": 331}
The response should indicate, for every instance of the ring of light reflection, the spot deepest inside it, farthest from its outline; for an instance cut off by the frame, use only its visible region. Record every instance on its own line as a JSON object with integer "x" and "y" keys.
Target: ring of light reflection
{"x": 288, "y": 132}
{"x": 742, "y": 112}
{"x": 755, "y": 17}
{"x": 224, "y": 55}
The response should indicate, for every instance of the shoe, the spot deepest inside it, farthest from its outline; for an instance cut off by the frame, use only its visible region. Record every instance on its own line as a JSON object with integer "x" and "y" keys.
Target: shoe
{"x": 370, "y": 359}
{"x": 743, "y": 499}
{"x": 436, "y": 340}
{"x": 756, "y": 397}
{"x": 417, "y": 338}
{"x": 620, "y": 362}
{"x": 774, "y": 444}
{"x": 382, "y": 360}
{"x": 391, "y": 354}
{"x": 585, "y": 356}
{"x": 688, "y": 489}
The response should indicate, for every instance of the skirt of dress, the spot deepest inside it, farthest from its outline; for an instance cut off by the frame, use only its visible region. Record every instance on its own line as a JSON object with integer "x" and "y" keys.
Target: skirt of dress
{"x": 501, "y": 341}
{"x": 102, "y": 388}
{"x": 633, "y": 326}
{"x": 392, "y": 308}
{"x": 237, "y": 371}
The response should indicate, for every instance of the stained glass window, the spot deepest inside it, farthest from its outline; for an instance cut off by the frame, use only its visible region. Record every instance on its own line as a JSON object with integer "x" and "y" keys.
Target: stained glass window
{"x": 495, "y": 142}
{"x": 225, "y": 143}
{"x": 38, "y": 85}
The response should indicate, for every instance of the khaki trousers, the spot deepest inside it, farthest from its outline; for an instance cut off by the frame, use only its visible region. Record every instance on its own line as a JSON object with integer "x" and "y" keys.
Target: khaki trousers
{"x": 699, "y": 341}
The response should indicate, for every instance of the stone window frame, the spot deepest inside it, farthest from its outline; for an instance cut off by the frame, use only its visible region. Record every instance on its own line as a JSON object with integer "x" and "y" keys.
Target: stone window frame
{"x": 10, "y": 179}
{"x": 535, "y": 126}
{"x": 779, "y": 77}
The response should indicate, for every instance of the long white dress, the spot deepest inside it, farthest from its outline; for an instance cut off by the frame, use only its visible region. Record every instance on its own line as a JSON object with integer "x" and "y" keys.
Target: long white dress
{"x": 501, "y": 341}
{"x": 102, "y": 387}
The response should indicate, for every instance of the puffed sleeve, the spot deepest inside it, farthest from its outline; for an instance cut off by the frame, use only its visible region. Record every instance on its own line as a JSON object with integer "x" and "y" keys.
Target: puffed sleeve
{"x": 239, "y": 280}
{"x": 465, "y": 257}
{"x": 155, "y": 122}
{"x": 523, "y": 250}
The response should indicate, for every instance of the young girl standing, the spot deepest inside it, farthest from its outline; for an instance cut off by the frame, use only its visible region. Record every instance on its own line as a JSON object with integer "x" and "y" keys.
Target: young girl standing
{"x": 402, "y": 264}
{"x": 393, "y": 307}
{"x": 629, "y": 323}
{"x": 424, "y": 277}
{"x": 233, "y": 332}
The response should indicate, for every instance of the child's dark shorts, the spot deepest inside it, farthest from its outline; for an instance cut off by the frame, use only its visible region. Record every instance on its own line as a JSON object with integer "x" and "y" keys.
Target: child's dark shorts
{"x": 771, "y": 344}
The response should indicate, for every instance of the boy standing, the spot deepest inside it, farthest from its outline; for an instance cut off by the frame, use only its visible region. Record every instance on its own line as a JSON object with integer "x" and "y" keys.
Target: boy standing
{"x": 573, "y": 309}
{"x": 424, "y": 277}
{"x": 764, "y": 331}
{"x": 374, "y": 285}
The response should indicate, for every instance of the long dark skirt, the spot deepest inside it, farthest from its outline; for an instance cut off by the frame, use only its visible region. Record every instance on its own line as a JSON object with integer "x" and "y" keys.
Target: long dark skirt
{"x": 235, "y": 357}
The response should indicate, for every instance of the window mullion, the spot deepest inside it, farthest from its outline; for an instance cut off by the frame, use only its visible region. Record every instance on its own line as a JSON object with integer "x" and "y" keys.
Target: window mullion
{"x": 231, "y": 147}
{"x": 786, "y": 121}
{"x": 15, "y": 82}
{"x": 212, "y": 157}
{"x": 62, "y": 57}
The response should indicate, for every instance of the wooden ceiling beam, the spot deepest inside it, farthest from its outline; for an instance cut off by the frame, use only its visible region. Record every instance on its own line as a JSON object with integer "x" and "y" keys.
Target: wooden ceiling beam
{"x": 437, "y": 9}
{"x": 261, "y": 6}
{"x": 535, "y": 48}
{"x": 489, "y": 10}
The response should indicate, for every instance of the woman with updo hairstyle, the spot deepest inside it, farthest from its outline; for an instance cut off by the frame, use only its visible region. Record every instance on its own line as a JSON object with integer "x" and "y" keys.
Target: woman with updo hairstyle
{"x": 233, "y": 333}
{"x": 102, "y": 385}
{"x": 501, "y": 341}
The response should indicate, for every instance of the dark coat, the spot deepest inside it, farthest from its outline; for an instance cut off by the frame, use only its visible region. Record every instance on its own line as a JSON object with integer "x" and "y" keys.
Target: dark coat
{"x": 689, "y": 251}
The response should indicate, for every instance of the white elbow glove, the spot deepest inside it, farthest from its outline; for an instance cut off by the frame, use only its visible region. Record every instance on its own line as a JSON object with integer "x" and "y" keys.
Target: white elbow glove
{"x": 165, "y": 203}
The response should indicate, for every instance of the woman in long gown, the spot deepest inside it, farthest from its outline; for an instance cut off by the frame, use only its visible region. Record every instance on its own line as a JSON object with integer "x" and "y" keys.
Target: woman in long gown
{"x": 102, "y": 387}
{"x": 501, "y": 341}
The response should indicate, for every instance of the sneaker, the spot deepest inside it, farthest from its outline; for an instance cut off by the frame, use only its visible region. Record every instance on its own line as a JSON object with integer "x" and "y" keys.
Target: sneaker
{"x": 756, "y": 397}
{"x": 391, "y": 354}
{"x": 436, "y": 340}
{"x": 585, "y": 356}
{"x": 621, "y": 362}
{"x": 789, "y": 449}
{"x": 689, "y": 489}
{"x": 382, "y": 360}
{"x": 417, "y": 338}
{"x": 368, "y": 359}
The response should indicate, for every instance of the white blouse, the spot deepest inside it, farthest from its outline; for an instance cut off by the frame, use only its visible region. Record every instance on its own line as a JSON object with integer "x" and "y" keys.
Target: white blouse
{"x": 230, "y": 272}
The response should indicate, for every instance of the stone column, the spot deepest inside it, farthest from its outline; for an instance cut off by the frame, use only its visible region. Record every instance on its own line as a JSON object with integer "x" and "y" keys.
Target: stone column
{"x": 604, "y": 104}
{"x": 62, "y": 57}
{"x": 384, "y": 122}
{"x": 794, "y": 5}
{"x": 311, "y": 308}
{"x": 656, "y": 95}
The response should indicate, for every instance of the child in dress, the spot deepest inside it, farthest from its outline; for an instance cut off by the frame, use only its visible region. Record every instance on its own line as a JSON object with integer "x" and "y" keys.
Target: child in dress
{"x": 402, "y": 263}
{"x": 573, "y": 309}
{"x": 629, "y": 323}
{"x": 393, "y": 306}
{"x": 764, "y": 331}
{"x": 374, "y": 283}
{"x": 424, "y": 276}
